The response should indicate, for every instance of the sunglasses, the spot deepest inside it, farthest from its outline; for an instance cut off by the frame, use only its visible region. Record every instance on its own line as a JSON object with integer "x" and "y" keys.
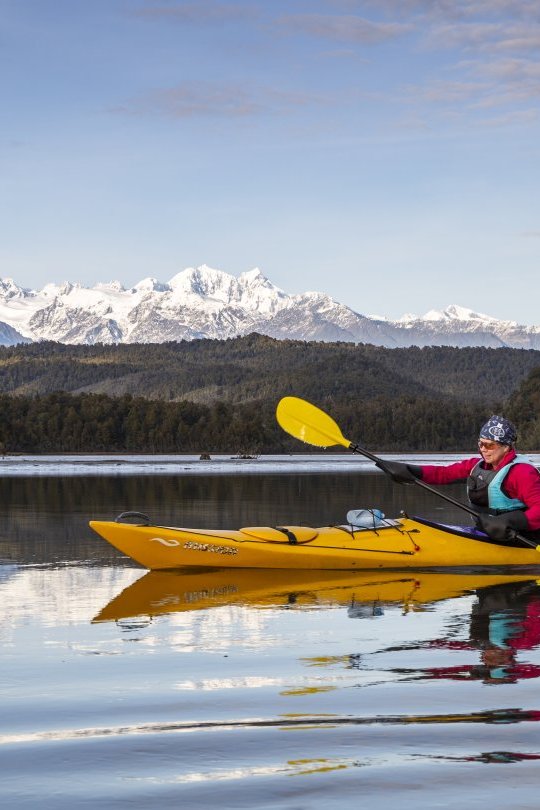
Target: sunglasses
{"x": 483, "y": 445}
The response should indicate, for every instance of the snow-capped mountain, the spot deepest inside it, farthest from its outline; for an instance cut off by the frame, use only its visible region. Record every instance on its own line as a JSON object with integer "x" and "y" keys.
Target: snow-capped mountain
{"x": 201, "y": 302}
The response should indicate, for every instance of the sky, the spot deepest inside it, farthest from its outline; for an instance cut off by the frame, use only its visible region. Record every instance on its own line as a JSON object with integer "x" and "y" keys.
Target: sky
{"x": 383, "y": 152}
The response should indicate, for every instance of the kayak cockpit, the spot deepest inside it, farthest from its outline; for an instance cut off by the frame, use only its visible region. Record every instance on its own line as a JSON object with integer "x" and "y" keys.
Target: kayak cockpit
{"x": 470, "y": 532}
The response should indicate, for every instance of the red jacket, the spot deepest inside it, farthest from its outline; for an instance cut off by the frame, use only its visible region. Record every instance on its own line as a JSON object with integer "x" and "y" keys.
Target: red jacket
{"x": 522, "y": 482}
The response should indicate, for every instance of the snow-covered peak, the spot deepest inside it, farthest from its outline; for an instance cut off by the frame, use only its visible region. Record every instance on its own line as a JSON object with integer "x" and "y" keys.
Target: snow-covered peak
{"x": 150, "y": 284}
{"x": 318, "y": 299}
{"x": 205, "y": 302}
{"x": 9, "y": 289}
{"x": 207, "y": 288}
{"x": 257, "y": 294}
{"x": 112, "y": 286}
{"x": 198, "y": 276}
{"x": 202, "y": 282}
{"x": 256, "y": 279}
{"x": 457, "y": 313}
{"x": 254, "y": 274}
{"x": 68, "y": 287}
{"x": 408, "y": 317}
{"x": 50, "y": 290}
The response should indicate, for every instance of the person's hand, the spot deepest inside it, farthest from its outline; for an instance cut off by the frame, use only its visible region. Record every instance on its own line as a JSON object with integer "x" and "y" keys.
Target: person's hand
{"x": 398, "y": 471}
{"x": 503, "y": 528}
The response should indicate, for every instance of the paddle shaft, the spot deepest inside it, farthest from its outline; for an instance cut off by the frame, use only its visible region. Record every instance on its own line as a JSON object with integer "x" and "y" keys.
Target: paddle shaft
{"x": 363, "y": 452}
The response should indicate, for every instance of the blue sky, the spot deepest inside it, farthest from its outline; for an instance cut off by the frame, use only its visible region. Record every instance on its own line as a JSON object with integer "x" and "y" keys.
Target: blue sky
{"x": 384, "y": 152}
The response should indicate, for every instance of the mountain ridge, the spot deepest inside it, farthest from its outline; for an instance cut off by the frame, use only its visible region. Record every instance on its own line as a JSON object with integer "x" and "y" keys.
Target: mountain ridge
{"x": 203, "y": 302}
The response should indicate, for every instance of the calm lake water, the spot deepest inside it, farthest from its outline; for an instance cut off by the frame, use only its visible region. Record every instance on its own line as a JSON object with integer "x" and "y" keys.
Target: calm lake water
{"x": 122, "y": 688}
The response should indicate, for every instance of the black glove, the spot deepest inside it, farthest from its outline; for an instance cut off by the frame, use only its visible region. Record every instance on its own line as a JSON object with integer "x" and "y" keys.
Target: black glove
{"x": 503, "y": 527}
{"x": 400, "y": 472}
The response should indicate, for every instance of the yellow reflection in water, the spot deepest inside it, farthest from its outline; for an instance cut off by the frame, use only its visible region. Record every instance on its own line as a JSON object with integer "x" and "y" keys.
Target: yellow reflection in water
{"x": 318, "y": 766}
{"x": 308, "y": 690}
{"x": 325, "y": 660}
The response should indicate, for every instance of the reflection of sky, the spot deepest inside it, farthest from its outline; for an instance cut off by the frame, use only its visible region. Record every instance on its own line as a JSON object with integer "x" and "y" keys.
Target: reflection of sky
{"x": 57, "y": 597}
{"x": 192, "y": 465}
{"x": 233, "y": 662}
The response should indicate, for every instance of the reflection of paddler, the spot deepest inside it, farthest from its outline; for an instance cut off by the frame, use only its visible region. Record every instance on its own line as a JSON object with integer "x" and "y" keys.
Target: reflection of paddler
{"x": 504, "y": 621}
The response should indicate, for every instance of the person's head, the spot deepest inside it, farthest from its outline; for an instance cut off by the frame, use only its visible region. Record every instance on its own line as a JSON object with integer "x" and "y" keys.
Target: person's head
{"x": 496, "y": 438}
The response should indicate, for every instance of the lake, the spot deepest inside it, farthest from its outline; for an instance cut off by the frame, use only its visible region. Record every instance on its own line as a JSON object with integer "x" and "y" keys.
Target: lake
{"x": 286, "y": 690}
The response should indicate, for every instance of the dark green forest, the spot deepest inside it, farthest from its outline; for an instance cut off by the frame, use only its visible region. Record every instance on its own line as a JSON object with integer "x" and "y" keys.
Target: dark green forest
{"x": 220, "y": 396}
{"x": 67, "y": 423}
{"x": 258, "y": 368}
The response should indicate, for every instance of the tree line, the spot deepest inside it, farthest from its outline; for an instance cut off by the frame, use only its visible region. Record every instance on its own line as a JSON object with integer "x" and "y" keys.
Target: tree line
{"x": 98, "y": 423}
{"x": 211, "y": 396}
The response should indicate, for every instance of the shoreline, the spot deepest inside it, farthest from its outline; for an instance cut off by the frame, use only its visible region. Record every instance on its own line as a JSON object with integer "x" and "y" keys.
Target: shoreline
{"x": 218, "y": 464}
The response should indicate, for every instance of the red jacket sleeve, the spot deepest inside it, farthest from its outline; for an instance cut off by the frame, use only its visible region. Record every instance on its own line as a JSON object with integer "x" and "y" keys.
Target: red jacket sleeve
{"x": 459, "y": 471}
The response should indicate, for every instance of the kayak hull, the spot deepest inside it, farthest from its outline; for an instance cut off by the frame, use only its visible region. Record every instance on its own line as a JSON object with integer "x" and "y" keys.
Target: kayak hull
{"x": 407, "y": 543}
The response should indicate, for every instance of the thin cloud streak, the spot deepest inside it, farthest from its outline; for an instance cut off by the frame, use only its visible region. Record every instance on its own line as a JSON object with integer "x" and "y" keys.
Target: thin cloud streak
{"x": 342, "y": 28}
{"x": 486, "y": 36}
{"x": 440, "y": 91}
{"x": 508, "y": 69}
{"x": 199, "y": 13}
{"x": 511, "y": 118}
{"x": 192, "y": 99}
{"x": 451, "y": 9}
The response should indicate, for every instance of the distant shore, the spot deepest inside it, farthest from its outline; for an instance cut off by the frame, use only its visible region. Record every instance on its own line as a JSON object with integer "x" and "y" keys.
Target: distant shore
{"x": 219, "y": 464}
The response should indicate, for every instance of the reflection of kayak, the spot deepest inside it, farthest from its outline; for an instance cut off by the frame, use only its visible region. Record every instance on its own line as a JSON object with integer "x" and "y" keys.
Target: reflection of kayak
{"x": 160, "y": 592}
{"x": 405, "y": 543}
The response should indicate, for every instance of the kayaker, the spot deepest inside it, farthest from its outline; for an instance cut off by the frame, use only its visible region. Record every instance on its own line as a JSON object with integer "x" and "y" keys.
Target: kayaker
{"x": 503, "y": 487}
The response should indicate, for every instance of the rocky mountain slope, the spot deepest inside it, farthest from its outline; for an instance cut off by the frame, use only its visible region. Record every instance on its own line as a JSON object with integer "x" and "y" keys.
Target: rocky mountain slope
{"x": 206, "y": 303}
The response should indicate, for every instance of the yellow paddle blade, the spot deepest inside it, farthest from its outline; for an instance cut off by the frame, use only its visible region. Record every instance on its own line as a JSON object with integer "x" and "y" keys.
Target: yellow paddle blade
{"x": 308, "y": 423}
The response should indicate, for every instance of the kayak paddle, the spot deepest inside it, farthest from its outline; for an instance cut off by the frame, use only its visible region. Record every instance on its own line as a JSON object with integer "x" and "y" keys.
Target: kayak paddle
{"x": 308, "y": 423}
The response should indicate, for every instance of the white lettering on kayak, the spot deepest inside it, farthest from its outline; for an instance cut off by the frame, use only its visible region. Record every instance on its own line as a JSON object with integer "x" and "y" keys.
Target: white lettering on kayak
{"x": 196, "y": 596}
{"x": 192, "y": 546}
{"x": 163, "y": 542}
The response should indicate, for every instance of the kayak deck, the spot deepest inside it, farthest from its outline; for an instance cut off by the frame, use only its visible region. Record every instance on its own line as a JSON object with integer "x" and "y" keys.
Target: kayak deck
{"x": 403, "y": 543}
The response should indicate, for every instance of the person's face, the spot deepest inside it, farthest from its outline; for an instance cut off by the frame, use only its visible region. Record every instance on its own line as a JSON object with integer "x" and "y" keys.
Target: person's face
{"x": 492, "y": 452}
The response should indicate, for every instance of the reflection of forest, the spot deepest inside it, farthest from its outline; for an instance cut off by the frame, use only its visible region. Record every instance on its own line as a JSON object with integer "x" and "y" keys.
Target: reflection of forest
{"x": 45, "y": 519}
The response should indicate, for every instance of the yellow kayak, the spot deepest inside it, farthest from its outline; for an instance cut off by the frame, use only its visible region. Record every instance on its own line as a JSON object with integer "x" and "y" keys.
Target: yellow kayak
{"x": 363, "y": 593}
{"x": 404, "y": 543}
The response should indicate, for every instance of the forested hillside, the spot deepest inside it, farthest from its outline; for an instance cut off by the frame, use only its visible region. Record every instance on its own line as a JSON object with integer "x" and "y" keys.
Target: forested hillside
{"x": 220, "y": 396}
{"x": 524, "y": 408}
{"x": 258, "y": 368}
{"x": 65, "y": 423}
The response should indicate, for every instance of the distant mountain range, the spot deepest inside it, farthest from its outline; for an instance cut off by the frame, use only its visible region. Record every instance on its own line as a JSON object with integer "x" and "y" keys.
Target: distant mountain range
{"x": 206, "y": 303}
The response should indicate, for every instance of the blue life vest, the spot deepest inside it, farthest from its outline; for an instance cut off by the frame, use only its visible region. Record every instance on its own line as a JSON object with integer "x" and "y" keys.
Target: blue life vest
{"x": 484, "y": 488}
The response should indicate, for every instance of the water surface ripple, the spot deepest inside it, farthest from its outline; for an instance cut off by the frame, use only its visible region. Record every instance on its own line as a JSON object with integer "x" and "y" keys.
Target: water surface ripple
{"x": 237, "y": 689}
